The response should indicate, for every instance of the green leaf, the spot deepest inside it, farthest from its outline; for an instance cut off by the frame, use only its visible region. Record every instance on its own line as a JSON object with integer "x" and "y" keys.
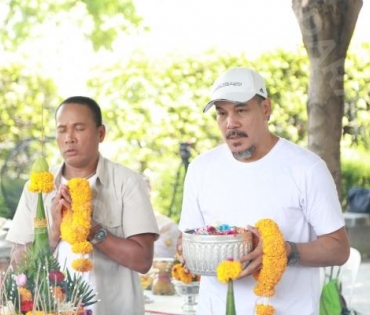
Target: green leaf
{"x": 230, "y": 301}
{"x": 40, "y": 165}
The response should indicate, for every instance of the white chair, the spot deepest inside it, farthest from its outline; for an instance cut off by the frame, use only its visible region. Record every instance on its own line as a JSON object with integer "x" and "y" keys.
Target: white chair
{"x": 347, "y": 274}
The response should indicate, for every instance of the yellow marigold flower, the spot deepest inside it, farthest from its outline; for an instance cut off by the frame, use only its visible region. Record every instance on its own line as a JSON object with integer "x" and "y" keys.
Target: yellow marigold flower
{"x": 76, "y": 225}
{"x": 80, "y": 190}
{"x": 41, "y": 182}
{"x": 175, "y": 271}
{"x": 66, "y": 225}
{"x": 82, "y": 265}
{"x": 186, "y": 276}
{"x": 262, "y": 309}
{"x": 274, "y": 263}
{"x": 25, "y": 294}
{"x": 181, "y": 273}
{"x": 228, "y": 270}
{"x": 41, "y": 179}
{"x": 82, "y": 247}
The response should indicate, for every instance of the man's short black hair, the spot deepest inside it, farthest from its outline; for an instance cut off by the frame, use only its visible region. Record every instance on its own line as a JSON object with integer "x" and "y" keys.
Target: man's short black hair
{"x": 87, "y": 101}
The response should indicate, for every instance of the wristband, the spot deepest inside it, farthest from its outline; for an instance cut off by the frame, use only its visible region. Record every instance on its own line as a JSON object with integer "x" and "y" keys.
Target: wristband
{"x": 293, "y": 258}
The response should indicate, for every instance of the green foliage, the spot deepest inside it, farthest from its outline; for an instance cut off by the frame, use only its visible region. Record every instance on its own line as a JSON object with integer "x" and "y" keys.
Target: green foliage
{"x": 16, "y": 167}
{"x": 286, "y": 76}
{"x": 100, "y": 21}
{"x": 356, "y": 121}
{"x": 26, "y": 100}
{"x": 32, "y": 262}
{"x": 151, "y": 106}
{"x": 27, "y": 103}
{"x": 79, "y": 289}
{"x": 38, "y": 270}
{"x": 5, "y": 211}
{"x": 355, "y": 171}
{"x": 110, "y": 17}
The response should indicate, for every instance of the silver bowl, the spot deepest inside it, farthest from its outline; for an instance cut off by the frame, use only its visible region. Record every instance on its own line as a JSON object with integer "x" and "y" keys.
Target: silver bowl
{"x": 203, "y": 253}
{"x": 182, "y": 288}
{"x": 189, "y": 291}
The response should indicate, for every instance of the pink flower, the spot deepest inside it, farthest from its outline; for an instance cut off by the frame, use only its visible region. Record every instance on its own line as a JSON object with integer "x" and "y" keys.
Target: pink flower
{"x": 20, "y": 279}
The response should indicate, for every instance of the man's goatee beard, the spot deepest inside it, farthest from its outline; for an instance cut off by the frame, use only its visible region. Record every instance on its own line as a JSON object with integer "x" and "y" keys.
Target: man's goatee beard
{"x": 244, "y": 155}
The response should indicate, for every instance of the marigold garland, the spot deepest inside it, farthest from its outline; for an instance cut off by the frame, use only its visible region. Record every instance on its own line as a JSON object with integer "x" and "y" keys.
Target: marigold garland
{"x": 265, "y": 309}
{"x": 274, "y": 263}
{"x": 76, "y": 225}
{"x": 82, "y": 264}
{"x": 82, "y": 247}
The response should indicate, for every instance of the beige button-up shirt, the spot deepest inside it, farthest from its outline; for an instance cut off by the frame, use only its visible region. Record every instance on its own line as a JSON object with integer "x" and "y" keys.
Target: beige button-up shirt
{"x": 121, "y": 204}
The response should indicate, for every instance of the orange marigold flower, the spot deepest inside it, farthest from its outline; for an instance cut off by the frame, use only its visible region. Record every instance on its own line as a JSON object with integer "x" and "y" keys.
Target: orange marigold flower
{"x": 58, "y": 294}
{"x": 82, "y": 247}
{"x": 82, "y": 265}
{"x": 175, "y": 271}
{"x": 25, "y": 294}
{"x": 262, "y": 309}
{"x": 186, "y": 276}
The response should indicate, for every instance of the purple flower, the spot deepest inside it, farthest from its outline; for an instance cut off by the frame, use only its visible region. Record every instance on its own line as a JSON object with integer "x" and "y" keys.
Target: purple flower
{"x": 56, "y": 276}
{"x": 20, "y": 279}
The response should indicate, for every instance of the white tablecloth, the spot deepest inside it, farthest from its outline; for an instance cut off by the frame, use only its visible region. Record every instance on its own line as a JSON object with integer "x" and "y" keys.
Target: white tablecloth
{"x": 166, "y": 304}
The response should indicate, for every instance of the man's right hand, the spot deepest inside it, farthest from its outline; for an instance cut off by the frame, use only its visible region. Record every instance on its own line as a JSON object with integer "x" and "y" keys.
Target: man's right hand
{"x": 179, "y": 249}
{"x": 61, "y": 201}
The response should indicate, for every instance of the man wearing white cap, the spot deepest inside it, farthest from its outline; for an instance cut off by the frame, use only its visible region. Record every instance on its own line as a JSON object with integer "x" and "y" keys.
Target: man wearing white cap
{"x": 257, "y": 175}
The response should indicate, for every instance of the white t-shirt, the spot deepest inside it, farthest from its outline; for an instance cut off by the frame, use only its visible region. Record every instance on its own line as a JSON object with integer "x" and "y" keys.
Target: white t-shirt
{"x": 290, "y": 185}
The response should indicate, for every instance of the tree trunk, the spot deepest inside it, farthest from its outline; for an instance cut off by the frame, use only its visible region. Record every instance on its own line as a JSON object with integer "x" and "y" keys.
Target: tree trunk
{"x": 327, "y": 27}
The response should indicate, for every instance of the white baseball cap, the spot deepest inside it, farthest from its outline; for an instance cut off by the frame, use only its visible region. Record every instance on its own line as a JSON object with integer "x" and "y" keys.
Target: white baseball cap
{"x": 237, "y": 85}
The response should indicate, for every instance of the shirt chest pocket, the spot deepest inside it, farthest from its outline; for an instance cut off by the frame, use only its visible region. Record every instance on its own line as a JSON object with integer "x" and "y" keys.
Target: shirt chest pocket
{"x": 108, "y": 211}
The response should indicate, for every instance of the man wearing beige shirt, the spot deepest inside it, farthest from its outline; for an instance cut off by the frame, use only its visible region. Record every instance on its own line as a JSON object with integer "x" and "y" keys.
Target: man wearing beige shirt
{"x": 124, "y": 227}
